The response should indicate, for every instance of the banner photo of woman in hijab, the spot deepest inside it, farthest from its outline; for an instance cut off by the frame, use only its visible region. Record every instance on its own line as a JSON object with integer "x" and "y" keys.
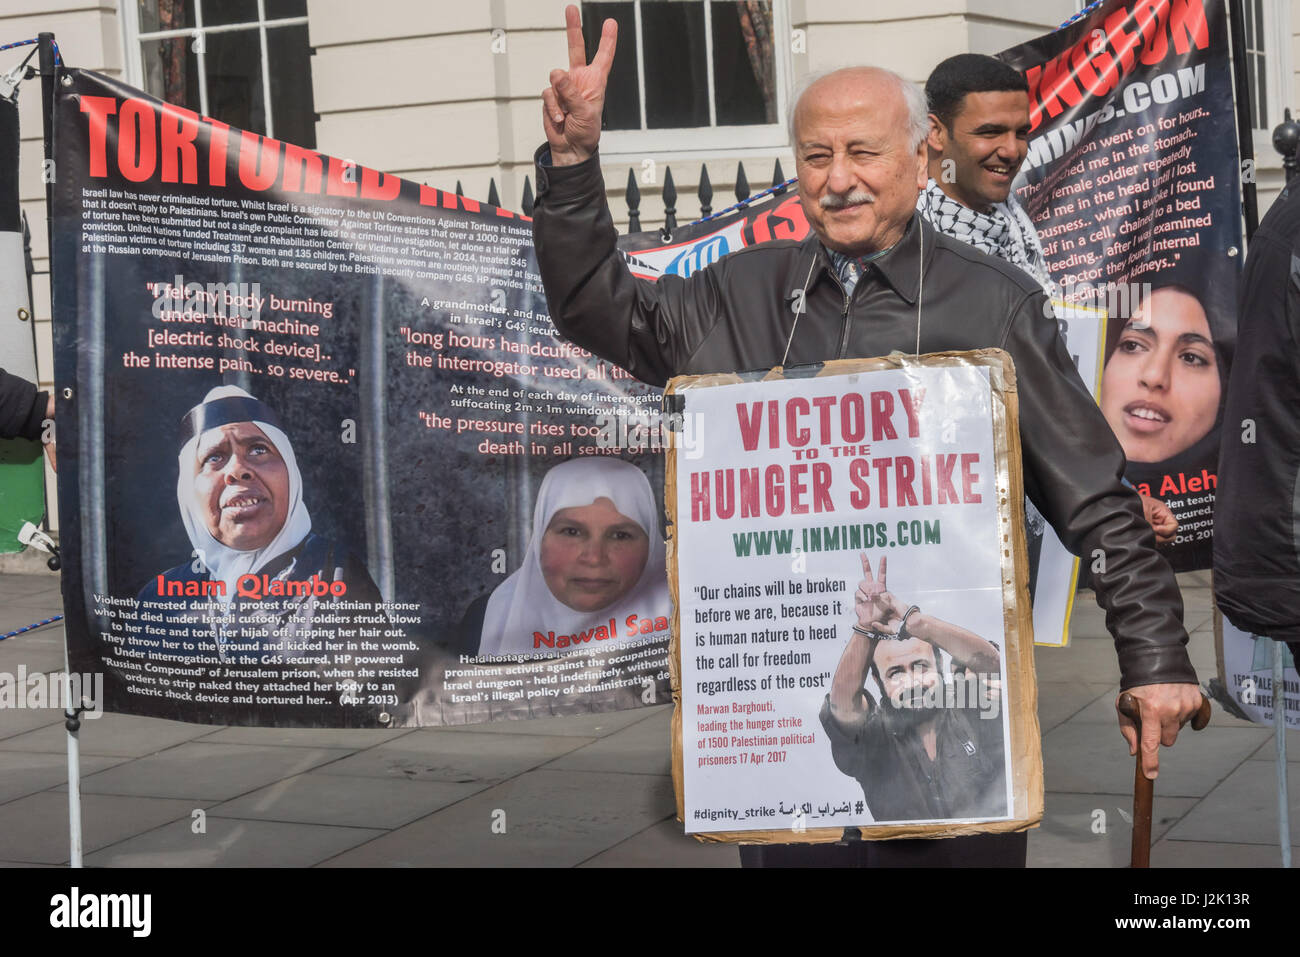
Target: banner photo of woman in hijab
{"x": 324, "y": 462}
{"x": 1132, "y": 180}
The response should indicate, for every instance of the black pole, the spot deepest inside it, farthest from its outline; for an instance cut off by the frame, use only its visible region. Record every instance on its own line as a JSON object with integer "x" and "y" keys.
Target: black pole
{"x": 46, "y": 61}
{"x": 1245, "y": 127}
{"x": 1286, "y": 140}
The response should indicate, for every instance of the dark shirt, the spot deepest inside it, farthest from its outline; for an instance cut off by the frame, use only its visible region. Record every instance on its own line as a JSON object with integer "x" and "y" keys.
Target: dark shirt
{"x": 900, "y": 782}
{"x": 22, "y": 408}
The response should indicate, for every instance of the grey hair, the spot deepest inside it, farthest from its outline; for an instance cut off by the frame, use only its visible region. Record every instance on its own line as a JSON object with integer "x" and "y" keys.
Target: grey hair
{"x": 918, "y": 109}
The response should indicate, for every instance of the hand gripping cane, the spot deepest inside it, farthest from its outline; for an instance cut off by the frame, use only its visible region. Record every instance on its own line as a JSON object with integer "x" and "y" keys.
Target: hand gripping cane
{"x": 1143, "y": 786}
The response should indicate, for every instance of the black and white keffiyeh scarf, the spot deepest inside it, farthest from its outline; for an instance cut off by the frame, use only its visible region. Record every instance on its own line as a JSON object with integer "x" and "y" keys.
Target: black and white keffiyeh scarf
{"x": 1007, "y": 232}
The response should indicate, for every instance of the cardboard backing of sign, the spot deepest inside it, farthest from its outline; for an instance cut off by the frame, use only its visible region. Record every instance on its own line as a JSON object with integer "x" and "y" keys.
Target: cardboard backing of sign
{"x": 1025, "y": 753}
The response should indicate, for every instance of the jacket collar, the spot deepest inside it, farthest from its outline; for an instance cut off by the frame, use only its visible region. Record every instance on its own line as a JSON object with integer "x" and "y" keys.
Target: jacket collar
{"x": 899, "y": 267}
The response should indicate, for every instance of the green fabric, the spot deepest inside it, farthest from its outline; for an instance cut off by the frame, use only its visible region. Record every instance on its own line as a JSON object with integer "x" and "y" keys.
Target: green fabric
{"x": 22, "y": 489}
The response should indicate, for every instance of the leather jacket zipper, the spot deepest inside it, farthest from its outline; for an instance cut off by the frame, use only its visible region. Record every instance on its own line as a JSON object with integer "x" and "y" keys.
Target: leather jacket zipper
{"x": 846, "y": 322}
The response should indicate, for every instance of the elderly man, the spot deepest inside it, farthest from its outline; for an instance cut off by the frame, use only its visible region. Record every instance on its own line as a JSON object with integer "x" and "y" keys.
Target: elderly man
{"x": 873, "y": 277}
{"x": 241, "y": 501}
{"x": 979, "y": 136}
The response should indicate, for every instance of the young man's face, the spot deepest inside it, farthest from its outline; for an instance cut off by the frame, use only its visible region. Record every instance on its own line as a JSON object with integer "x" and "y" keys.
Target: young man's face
{"x": 975, "y": 161}
{"x": 241, "y": 486}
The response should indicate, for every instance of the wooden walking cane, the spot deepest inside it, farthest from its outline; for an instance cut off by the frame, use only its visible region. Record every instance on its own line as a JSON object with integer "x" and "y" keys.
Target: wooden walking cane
{"x": 1143, "y": 786}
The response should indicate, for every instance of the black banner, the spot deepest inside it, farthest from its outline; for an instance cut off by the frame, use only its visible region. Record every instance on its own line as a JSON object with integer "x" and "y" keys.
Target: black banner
{"x": 1132, "y": 179}
{"x": 324, "y": 462}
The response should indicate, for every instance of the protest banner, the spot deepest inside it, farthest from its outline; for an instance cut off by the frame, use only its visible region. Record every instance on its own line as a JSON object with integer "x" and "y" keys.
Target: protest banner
{"x": 1245, "y": 666}
{"x": 844, "y": 555}
{"x": 1132, "y": 180}
{"x": 323, "y": 462}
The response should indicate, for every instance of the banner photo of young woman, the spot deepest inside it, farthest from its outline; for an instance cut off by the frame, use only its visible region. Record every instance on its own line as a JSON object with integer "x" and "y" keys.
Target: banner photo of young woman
{"x": 323, "y": 460}
{"x": 854, "y": 643}
{"x": 1134, "y": 184}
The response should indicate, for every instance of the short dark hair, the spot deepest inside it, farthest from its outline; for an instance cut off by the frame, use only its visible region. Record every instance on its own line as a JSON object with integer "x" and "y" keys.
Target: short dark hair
{"x": 966, "y": 73}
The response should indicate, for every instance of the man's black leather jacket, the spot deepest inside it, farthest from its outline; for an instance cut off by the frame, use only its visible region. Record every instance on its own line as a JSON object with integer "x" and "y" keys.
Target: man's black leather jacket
{"x": 737, "y": 314}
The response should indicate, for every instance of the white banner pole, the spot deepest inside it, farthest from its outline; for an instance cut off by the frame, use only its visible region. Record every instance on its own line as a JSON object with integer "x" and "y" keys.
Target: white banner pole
{"x": 1279, "y": 735}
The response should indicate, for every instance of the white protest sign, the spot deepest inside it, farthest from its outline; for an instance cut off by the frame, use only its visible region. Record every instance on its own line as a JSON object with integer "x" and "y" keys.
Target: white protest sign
{"x": 803, "y": 490}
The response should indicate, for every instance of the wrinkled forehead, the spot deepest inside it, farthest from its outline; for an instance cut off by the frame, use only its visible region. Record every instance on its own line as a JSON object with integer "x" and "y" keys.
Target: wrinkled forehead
{"x": 859, "y": 105}
{"x": 224, "y": 437}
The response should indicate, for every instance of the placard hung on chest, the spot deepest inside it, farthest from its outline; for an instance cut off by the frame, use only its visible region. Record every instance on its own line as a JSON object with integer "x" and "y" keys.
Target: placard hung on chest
{"x": 854, "y": 641}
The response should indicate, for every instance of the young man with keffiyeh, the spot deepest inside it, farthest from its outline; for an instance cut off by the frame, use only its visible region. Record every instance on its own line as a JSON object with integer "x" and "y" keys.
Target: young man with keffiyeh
{"x": 979, "y": 136}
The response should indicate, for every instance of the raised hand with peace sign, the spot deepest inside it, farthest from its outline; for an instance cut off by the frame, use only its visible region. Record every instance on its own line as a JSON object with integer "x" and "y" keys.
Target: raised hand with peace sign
{"x": 574, "y": 102}
{"x": 877, "y": 609}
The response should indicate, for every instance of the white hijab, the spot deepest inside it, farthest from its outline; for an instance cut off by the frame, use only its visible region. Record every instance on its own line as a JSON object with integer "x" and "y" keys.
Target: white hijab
{"x": 224, "y": 563}
{"x": 523, "y": 603}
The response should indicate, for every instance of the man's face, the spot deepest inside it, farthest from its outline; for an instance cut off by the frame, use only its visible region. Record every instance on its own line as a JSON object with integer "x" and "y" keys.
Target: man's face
{"x": 593, "y": 555}
{"x": 907, "y": 670}
{"x": 241, "y": 486}
{"x": 858, "y": 180}
{"x": 975, "y": 161}
{"x": 1160, "y": 388}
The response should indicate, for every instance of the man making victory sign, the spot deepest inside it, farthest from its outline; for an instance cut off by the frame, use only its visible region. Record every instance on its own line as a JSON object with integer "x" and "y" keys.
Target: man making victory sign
{"x": 871, "y": 278}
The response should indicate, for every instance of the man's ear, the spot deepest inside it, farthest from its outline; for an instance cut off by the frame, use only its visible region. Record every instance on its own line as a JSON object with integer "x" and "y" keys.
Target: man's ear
{"x": 937, "y": 138}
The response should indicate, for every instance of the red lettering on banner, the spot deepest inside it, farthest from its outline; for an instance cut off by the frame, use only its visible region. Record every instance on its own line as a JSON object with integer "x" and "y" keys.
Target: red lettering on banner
{"x": 969, "y": 478}
{"x": 137, "y": 143}
{"x": 1095, "y": 64}
{"x": 775, "y": 497}
{"x": 882, "y": 407}
{"x": 853, "y": 418}
{"x": 178, "y": 128}
{"x": 912, "y": 406}
{"x": 259, "y": 161}
{"x": 726, "y": 493}
{"x": 218, "y": 143}
{"x": 1049, "y": 84}
{"x": 860, "y": 477}
{"x": 1188, "y": 23}
{"x": 429, "y": 196}
{"x": 1123, "y": 42}
{"x": 98, "y": 109}
{"x": 789, "y": 221}
{"x": 751, "y": 425}
{"x": 376, "y": 185}
{"x": 302, "y": 169}
{"x": 699, "y": 496}
{"x": 905, "y": 474}
{"x": 944, "y": 466}
{"x": 882, "y": 479}
{"x": 749, "y": 504}
{"x": 1151, "y": 16}
{"x": 794, "y": 433}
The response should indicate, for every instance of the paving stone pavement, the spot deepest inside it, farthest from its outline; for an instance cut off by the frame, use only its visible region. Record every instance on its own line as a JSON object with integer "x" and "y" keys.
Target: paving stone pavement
{"x": 588, "y": 791}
